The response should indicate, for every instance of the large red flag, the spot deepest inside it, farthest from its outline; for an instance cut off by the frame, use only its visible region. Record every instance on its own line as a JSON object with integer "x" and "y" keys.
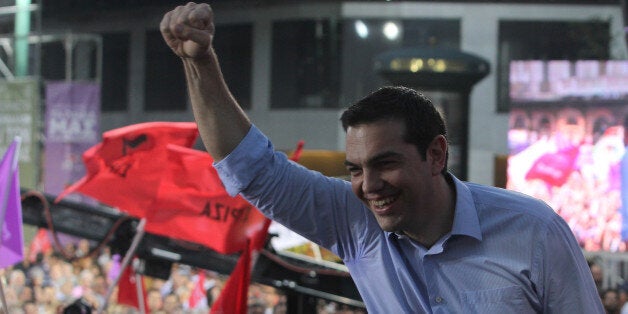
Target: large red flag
{"x": 144, "y": 171}
{"x": 117, "y": 174}
{"x": 192, "y": 204}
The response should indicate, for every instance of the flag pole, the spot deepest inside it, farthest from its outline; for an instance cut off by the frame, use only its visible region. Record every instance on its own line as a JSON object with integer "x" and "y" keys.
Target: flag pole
{"x": 4, "y": 299}
{"x": 139, "y": 234}
{"x": 139, "y": 285}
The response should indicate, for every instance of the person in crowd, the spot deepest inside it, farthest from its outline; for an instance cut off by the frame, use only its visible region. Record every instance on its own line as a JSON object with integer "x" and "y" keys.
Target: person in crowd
{"x": 622, "y": 290}
{"x": 414, "y": 238}
{"x": 154, "y": 300}
{"x": 610, "y": 299}
{"x": 172, "y": 304}
{"x": 597, "y": 272}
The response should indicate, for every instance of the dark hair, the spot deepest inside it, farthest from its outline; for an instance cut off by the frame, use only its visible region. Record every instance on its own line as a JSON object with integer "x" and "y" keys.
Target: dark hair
{"x": 80, "y": 306}
{"x": 421, "y": 119}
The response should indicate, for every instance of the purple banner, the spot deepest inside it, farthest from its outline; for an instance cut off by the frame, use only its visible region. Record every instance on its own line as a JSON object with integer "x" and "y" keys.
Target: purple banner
{"x": 72, "y": 125}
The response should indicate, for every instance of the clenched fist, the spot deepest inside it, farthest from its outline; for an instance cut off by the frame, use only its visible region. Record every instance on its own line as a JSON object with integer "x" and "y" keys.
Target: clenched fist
{"x": 188, "y": 30}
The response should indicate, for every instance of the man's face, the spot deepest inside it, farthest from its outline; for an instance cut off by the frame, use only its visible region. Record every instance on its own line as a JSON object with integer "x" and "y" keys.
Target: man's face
{"x": 389, "y": 175}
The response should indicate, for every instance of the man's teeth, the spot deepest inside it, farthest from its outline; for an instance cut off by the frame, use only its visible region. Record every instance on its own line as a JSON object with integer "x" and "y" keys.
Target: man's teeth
{"x": 383, "y": 202}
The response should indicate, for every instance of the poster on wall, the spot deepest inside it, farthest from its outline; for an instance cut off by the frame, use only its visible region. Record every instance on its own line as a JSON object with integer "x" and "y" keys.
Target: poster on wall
{"x": 567, "y": 144}
{"x": 19, "y": 116}
{"x": 72, "y": 125}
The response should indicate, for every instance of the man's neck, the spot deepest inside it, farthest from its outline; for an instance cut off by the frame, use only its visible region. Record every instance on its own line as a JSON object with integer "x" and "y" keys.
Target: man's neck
{"x": 442, "y": 220}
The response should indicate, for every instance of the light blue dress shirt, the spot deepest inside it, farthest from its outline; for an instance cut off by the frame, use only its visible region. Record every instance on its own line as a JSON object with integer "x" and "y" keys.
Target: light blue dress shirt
{"x": 506, "y": 252}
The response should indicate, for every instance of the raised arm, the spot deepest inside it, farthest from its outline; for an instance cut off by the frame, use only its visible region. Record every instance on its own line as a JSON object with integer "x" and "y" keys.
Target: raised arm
{"x": 189, "y": 30}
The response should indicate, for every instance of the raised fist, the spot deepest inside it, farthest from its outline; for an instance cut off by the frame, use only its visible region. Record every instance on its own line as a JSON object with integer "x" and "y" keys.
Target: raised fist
{"x": 188, "y": 30}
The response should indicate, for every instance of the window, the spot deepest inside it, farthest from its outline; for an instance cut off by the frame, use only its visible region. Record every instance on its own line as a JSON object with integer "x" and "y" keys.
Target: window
{"x": 165, "y": 82}
{"x": 305, "y": 68}
{"x": 235, "y": 50}
{"x": 53, "y": 61}
{"x": 115, "y": 71}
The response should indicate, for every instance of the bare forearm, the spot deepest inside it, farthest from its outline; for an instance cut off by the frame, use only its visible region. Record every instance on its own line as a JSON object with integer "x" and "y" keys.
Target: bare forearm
{"x": 221, "y": 122}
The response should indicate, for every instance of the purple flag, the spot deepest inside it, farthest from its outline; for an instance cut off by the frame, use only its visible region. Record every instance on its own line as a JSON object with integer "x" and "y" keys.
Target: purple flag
{"x": 11, "y": 235}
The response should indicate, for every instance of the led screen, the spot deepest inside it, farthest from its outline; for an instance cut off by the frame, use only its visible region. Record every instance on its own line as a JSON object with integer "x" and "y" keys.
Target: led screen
{"x": 566, "y": 142}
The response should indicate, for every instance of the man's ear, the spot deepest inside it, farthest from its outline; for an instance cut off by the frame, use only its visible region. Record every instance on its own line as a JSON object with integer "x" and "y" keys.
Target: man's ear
{"x": 437, "y": 153}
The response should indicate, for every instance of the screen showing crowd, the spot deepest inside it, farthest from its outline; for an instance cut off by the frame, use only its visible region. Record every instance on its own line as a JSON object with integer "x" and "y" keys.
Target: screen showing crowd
{"x": 566, "y": 142}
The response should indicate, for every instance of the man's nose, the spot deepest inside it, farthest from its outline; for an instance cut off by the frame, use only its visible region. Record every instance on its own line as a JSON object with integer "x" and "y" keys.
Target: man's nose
{"x": 371, "y": 182}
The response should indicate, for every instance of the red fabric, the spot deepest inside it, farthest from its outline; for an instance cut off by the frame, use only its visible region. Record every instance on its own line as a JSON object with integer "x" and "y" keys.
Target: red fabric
{"x": 198, "y": 293}
{"x": 40, "y": 244}
{"x": 296, "y": 155}
{"x": 150, "y": 171}
{"x": 127, "y": 290}
{"x": 234, "y": 296}
{"x": 554, "y": 168}
{"x": 116, "y": 168}
{"x": 192, "y": 205}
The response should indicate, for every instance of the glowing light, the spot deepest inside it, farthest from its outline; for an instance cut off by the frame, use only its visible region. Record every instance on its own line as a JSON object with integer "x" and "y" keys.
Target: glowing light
{"x": 391, "y": 30}
{"x": 361, "y": 29}
{"x": 416, "y": 65}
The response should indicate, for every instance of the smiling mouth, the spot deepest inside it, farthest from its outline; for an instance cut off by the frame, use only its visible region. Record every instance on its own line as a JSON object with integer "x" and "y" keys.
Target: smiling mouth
{"x": 381, "y": 204}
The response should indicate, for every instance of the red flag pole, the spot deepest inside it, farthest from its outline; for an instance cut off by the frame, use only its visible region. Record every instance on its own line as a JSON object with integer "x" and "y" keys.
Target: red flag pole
{"x": 125, "y": 262}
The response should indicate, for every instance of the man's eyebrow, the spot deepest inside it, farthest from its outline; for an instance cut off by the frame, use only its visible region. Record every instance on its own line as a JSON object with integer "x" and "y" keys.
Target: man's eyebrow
{"x": 375, "y": 159}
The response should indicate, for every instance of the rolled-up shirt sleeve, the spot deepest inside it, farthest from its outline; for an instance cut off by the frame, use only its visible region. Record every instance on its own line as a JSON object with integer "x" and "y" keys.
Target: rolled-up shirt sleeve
{"x": 320, "y": 208}
{"x": 240, "y": 167}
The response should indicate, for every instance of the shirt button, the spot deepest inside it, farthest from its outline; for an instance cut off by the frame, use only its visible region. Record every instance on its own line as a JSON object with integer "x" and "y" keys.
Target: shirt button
{"x": 438, "y": 299}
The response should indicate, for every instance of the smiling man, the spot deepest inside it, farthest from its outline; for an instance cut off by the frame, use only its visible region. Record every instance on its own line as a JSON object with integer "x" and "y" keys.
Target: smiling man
{"x": 414, "y": 238}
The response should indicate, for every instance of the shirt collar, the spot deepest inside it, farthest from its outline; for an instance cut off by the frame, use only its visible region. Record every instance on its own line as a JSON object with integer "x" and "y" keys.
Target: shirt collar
{"x": 466, "y": 220}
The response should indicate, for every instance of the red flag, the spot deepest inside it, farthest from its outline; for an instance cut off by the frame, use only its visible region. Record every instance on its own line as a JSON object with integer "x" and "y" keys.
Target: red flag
{"x": 234, "y": 296}
{"x": 554, "y": 168}
{"x": 116, "y": 172}
{"x": 192, "y": 205}
{"x": 179, "y": 193}
{"x": 198, "y": 293}
{"x": 296, "y": 155}
{"x": 127, "y": 289}
{"x": 40, "y": 244}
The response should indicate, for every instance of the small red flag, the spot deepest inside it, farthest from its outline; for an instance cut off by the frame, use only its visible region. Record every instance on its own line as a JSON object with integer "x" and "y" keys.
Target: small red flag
{"x": 40, "y": 244}
{"x": 234, "y": 296}
{"x": 198, "y": 293}
{"x": 127, "y": 289}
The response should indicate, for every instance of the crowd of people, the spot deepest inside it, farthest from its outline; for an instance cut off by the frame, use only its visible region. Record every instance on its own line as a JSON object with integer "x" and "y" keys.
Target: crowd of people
{"x": 52, "y": 283}
{"x": 588, "y": 196}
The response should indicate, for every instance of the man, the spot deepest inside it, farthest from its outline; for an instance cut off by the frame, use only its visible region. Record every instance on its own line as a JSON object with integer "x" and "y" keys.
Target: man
{"x": 414, "y": 238}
